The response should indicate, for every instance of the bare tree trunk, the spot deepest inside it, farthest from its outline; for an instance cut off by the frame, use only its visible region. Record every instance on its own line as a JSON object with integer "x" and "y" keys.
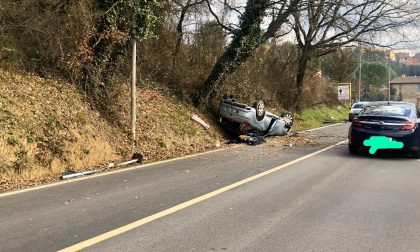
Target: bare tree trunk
{"x": 232, "y": 58}
{"x": 180, "y": 32}
{"x": 245, "y": 40}
{"x": 173, "y": 82}
{"x": 300, "y": 76}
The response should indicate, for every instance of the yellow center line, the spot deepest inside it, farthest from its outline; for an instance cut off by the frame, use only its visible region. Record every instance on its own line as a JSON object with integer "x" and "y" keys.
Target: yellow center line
{"x": 138, "y": 223}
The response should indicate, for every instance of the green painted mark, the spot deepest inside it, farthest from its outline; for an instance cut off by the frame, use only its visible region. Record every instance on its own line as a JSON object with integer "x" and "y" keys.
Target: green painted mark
{"x": 382, "y": 142}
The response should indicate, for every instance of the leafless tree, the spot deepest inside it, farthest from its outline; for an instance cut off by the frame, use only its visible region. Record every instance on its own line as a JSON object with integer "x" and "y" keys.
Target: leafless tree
{"x": 246, "y": 37}
{"x": 327, "y": 25}
{"x": 184, "y": 7}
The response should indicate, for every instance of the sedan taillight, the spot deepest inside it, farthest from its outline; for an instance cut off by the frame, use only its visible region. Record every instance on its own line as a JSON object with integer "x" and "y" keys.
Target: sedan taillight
{"x": 408, "y": 125}
{"x": 356, "y": 123}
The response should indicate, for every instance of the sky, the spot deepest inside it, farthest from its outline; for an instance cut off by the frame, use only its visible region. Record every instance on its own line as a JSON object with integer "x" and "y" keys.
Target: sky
{"x": 411, "y": 34}
{"x": 408, "y": 34}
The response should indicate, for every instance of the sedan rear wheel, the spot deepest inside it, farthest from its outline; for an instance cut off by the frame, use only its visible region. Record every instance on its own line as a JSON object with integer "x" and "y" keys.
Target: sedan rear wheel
{"x": 353, "y": 149}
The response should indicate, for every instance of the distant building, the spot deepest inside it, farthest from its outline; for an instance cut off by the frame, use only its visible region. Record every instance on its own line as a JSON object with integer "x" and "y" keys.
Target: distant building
{"x": 413, "y": 61}
{"x": 405, "y": 58}
{"x": 403, "y": 55}
{"x": 407, "y": 88}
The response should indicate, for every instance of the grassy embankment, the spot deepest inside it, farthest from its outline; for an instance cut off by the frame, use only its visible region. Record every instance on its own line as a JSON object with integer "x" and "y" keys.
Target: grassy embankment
{"x": 318, "y": 117}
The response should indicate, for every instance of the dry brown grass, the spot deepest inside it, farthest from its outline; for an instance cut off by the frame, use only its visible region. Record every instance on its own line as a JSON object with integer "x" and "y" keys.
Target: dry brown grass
{"x": 46, "y": 128}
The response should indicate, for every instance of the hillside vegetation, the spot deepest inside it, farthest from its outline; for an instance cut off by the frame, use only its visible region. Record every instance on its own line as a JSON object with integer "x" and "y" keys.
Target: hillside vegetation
{"x": 46, "y": 127}
{"x": 65, "y": 65}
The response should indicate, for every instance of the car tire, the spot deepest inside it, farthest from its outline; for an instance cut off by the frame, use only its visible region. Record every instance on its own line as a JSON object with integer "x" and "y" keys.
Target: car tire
{"x": 353, "y": 149}
{"x": 288, "y": 118}
{"x": 259, "y": 110}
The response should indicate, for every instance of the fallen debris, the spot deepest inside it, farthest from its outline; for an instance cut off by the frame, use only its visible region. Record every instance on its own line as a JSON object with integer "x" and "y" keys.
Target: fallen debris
{"x": 128, "y": 162}
{"x": 137, "y": 158}
{"x": 292, "y": 141}
{"x": 72, "y": 174}
{"x": 250, "y": 139}
{"x": 200, "y": 121}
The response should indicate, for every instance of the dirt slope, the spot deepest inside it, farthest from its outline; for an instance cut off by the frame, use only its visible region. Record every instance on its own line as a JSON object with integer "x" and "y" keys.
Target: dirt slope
{"x": 46, "y": 127}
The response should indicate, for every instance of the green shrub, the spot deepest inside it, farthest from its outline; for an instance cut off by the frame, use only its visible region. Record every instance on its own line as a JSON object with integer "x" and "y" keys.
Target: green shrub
{"x": 12, "y": 140}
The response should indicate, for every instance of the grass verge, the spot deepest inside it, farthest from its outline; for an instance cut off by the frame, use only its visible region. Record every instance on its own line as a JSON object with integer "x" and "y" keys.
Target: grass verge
{"x": 318, "y": 117}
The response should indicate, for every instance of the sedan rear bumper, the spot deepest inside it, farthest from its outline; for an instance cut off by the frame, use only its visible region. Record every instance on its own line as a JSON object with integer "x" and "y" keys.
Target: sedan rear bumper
{"x": 410, "y": 139}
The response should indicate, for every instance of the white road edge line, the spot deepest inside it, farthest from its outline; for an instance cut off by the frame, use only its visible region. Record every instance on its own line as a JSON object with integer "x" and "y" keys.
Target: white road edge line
{"x": 138, "y": 223}
{"x": 106, "y": 173}
{"x": 323, "y": 127}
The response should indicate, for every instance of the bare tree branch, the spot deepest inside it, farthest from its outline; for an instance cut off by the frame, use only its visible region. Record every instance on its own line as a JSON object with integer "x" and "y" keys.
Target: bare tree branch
{"x": 230, "y": 29}
{"x": 328, "y": 25}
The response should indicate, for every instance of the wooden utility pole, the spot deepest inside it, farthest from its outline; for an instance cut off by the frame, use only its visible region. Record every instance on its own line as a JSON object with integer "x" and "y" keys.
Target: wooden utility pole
{"x": 389, "y": 76}
{"x": 133, "y": 87}
{"x": 360, "y": 70}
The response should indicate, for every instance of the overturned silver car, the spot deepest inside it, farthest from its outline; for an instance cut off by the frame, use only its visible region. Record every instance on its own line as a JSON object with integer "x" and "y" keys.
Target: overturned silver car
{"x": 242, "y": 118}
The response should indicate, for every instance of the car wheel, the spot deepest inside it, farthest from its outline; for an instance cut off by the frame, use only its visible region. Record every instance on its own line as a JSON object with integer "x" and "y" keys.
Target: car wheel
{"x": 259, "y": 110}
{"x": 288, "y": 118}
{"x": 353, "y": 149}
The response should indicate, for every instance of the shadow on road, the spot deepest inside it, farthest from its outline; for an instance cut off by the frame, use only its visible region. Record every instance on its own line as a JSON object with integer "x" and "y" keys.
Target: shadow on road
{"x": 380, "y": 154}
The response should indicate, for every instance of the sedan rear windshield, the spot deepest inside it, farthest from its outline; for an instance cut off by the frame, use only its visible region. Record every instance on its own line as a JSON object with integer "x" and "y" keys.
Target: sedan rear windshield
{"x": 387, "y": 110}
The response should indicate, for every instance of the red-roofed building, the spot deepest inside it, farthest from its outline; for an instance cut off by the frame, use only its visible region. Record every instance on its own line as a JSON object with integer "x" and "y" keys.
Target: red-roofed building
{"x": 413, "y": 61}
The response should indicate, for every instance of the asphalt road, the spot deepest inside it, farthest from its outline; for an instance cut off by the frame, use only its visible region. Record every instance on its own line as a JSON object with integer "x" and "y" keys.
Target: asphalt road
{"x": 331, "y": 201}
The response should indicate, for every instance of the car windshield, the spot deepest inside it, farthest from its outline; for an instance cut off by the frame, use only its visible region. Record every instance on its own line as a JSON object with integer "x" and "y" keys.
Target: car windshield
{"x": 387, "y": 110}
{"x": 357, "y": 105}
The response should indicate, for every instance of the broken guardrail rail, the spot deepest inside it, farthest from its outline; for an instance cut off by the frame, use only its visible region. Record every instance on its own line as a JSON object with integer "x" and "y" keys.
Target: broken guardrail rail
{"x": 137, "y": 158}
